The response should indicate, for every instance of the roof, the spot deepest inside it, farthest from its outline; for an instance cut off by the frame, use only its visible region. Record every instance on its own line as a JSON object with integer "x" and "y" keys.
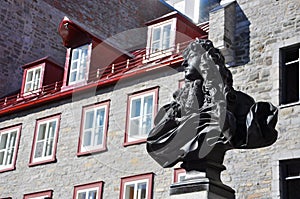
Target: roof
{"x": 101, "y": 77}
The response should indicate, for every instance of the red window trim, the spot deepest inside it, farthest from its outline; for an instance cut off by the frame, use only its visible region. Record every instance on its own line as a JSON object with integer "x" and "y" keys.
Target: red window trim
{"x": 47, "y": 193}
{"x": 19, "y": 127}
{"x": 98, "y": 184}
{"x": 146, "y": 176}
{"x": 25, "y": 76}
{"x": 53, "y": 159}
{"x": 176, "y": 173}
{"x": 181, "y": 83}
{"x": 104, "y": 148}
{"x": 68, "y": 65}
{"x": 129, "y": 96}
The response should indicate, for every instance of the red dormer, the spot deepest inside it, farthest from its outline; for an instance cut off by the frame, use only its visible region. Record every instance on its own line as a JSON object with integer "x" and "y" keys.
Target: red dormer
{"x": 167, "y": 32}
{"x": 85, "y": 54}
{"x": 39, "y": 74}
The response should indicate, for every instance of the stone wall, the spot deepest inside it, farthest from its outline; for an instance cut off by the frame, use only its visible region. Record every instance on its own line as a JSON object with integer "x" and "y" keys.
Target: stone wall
{"x": 29, "y": 29}
{"x": 108, "y": 166}
{"x": 262, "y": 28}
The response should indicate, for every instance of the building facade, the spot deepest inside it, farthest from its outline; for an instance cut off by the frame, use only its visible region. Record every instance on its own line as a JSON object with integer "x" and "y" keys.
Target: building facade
{"x": 81, "y": 132}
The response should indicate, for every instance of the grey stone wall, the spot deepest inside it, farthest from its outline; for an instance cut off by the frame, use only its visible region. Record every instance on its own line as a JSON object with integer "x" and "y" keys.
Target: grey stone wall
{"x": 29, "y": 29}
{"x": 108, "y": 166}
{"x": 262, "y": 28}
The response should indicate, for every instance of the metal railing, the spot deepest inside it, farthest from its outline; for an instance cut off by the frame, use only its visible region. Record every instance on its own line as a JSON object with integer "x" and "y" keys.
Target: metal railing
{"x": 142, "y": 58}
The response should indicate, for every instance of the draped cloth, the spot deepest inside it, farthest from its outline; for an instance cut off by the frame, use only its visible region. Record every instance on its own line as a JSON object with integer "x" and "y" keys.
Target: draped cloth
{"x": 193, "y": 135}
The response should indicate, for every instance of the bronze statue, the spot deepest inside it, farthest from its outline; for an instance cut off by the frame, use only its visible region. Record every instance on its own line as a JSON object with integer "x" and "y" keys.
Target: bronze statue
{"x": 208, "y": 117}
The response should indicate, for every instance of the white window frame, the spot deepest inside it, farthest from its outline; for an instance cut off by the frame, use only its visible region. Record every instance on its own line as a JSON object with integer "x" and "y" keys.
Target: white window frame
{"x": 137, "y": 192}
{"x": 39, "y": 195}
{"x": 150, "y": 55}
{"x": 94, "y": 147}
{"x": 135, "y": 180}
{"x": 142, "y": 117}
{"x": 11, "y": 145}
{"x": 35, "y": 83}
{"x": 87, "y": 191}
{"x": 83, "y": 64}
{"x": 95, "y": 186}
{"x": 47, "y": 140}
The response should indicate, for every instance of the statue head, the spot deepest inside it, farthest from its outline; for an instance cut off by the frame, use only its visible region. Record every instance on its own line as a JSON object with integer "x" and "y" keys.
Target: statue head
{"x": 202, "y": 61}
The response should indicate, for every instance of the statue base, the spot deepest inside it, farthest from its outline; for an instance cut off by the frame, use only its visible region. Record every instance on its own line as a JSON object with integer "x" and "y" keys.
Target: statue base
{"x": 201, "y": 188}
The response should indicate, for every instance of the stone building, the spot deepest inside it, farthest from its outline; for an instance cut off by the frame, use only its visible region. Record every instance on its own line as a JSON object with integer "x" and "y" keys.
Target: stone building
{"x": 79, "y": 131}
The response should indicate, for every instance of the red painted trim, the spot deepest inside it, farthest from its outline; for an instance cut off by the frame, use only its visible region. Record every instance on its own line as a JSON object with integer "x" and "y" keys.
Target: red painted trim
{"x": 66, "y": 70}
{"x": 155, "y": 108}
{"x": 25, "y": 76}
{"x": 89, "y": 186}
{"x": 69, "y": 91}
{"x": 104, "y": 148}
{"x": 147, "y": 176}
{"x": 47, "y": 193}
{"x": 19, "y": 127}
{"x": 176, "y": 172}
{"x": 38, "y": 121}
{"x": 181, "y": 83}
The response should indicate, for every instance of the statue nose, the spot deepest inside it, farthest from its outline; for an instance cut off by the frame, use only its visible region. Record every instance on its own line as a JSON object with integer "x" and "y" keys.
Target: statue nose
{"x": 184, "y": 63}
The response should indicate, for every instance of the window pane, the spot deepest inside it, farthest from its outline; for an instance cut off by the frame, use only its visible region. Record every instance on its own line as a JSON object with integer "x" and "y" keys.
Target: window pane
{"x": 3, "y": 141}
{"x": 92, "y": 194}
{"x": 147, "y": 125}
{"x": 134, "y": 127}
{"x": 129, "y": 191}
{"x": 166, "y": 36}
{"x": 136, "y": 108}
{"x": 29, "y": 76}
{"x": 142, "y": 189}
{"x": 291, "y": 83}
{"x": 2, "y": 158}
{"x": 148, "y": 104}
{"x": 89, "y": 119}
{"x": 99, "y": 136}
{"x": 39, "y": 149}
{"x": 74, "y": 66}
{"x": 87, "y": 140}
{"x": 75, "y": 54}
{"x": 81, "y": 195}
{"x": 155, "y": 47}
{"x": 156, "y": 34}
{"x": 100, "y": 117}
{"x": 42, "y": 131}
{"x": 293, "y": 188}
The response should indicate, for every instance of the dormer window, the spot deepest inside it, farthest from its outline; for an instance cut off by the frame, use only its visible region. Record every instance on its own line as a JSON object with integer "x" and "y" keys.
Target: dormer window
{"x": 161, "y": 37}
{"x": 41, "y": 76}
{"x": 166, "y": 35}
{"x": 79, "y": 64}
{"x": 33, "y": 79}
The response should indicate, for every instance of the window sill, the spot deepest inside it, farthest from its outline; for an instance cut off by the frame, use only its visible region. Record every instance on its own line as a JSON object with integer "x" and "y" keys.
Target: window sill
{"x": 7, "y": 169}
{"x": 32, "y": 164}
{"x": 282, "y": 106}
{"x": 142, "y": 141}
{"x": 90, "y": 152}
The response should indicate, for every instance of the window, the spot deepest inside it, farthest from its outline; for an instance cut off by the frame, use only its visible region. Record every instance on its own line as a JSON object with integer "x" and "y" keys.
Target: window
{"x": 290, "y": 178}
{"x": 161, "y": 37}
{"x": 290, "y": 73}
{"x": 137, "y": 187}
{"x": 39, "y": 195}
{"x": 93, "y": 128}
{"x": 88, "y": 191}
{"x": 9, "y": 141}
{"x": 45, "y": 139}
{"x": 33, "y": 79}
{"x": 141, "y": 109}
{"x": 79, "y": 64}
{"x": 179, "y": 175}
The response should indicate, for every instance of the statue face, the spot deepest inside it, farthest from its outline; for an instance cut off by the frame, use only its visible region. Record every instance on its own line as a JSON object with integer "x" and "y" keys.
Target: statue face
{"x": 191, "y": 66}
